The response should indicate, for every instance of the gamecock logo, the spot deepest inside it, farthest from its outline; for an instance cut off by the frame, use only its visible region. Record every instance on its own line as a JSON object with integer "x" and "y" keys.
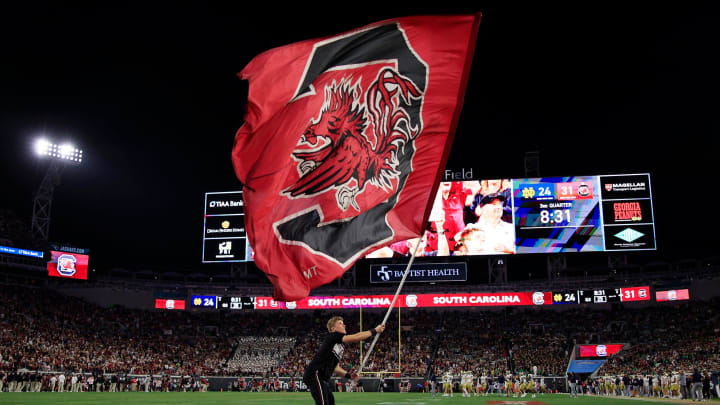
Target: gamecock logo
{"x": 355, "y": 153}
{"x": 337, "y": 152}
{"x": 66, "y": 265}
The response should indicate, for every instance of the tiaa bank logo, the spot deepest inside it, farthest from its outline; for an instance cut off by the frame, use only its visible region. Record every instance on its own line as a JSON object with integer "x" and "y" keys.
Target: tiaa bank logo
{"x": 66, "y": 265}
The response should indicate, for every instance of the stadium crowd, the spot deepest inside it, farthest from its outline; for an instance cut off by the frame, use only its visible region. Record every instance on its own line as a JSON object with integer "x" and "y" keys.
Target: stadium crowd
{"x": 256, "y": 354}
{"x": 44, "y": 334}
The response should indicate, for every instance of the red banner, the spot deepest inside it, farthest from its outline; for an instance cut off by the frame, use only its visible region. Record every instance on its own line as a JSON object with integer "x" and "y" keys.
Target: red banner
{"x": 599, "y": 350}
{"x": 169, "y": 304}
{"x": 672, "y": 295}
{"x": 410, "y": 301}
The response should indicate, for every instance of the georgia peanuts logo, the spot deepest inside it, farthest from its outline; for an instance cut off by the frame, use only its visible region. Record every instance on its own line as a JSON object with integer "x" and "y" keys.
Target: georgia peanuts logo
{"x": 66, "y": 265}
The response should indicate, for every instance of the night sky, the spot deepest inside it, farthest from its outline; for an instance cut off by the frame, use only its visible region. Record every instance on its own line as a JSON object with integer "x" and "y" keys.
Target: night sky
{"x": 150, "y": 93}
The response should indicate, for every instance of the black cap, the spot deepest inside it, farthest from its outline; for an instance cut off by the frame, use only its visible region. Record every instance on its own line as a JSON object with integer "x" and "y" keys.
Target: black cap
{"x": 494, "y": 196}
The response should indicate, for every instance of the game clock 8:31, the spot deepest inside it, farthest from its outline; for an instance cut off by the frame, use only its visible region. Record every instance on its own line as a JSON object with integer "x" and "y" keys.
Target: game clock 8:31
{"x": 555, "y": 217}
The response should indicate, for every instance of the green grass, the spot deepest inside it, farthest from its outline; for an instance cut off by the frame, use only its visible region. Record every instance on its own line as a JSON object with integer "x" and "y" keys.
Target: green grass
{"x": 287, "y": 398}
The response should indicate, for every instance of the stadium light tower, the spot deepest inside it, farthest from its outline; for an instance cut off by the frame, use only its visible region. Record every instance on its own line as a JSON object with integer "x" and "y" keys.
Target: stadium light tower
{"x": 59, "y": 156}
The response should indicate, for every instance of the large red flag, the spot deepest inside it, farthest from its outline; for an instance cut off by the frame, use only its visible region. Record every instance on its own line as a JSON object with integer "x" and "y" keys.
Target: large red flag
{"x": 344, "y": 142}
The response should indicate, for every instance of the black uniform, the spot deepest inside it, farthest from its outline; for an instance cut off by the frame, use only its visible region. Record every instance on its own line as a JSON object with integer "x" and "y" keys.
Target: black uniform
{"x": 317, "y": 374}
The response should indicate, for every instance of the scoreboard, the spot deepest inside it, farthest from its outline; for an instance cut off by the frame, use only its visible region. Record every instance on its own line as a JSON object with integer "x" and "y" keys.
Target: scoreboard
{"x": 557, "y": 215}
{"x": 602, "y": 295}
{"x": 599, "y": 213}
{"x": 236, "y": 302}
{"x": 583, "y": 214}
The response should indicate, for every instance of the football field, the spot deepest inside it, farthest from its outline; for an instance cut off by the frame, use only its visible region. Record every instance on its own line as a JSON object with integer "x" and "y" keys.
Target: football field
{"x": 286, "y": 398}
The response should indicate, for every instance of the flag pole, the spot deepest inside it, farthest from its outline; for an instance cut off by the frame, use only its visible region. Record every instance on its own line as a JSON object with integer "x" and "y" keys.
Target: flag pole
{"x": 392, "y": 304}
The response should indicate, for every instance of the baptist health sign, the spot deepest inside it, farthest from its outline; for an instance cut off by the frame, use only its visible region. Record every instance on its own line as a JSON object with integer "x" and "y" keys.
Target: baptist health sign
{"x": 420, "y": 272}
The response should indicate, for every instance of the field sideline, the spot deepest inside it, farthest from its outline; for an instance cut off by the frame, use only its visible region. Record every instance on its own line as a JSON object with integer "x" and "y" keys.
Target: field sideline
{"x": 290, "y": 398}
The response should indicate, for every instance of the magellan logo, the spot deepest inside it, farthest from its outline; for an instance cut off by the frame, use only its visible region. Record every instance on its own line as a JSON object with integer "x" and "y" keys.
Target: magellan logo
{"x": 619, "y": 187}
{"x": 629, "y": 235}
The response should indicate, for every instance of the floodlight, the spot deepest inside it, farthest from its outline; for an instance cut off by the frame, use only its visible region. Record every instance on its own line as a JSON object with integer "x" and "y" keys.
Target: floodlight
{"x": 41, "y": 146}
{"x": 65, "y": 152}
{"x": 66, "y": 149}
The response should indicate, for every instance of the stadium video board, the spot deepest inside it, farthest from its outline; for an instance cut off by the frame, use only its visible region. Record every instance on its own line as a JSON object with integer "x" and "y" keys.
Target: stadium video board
{"x": 484, "y": 299}
{"x": 224, "y": 236}
{"x": 68, "y": 265}
{"x": 536, "y": 215}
